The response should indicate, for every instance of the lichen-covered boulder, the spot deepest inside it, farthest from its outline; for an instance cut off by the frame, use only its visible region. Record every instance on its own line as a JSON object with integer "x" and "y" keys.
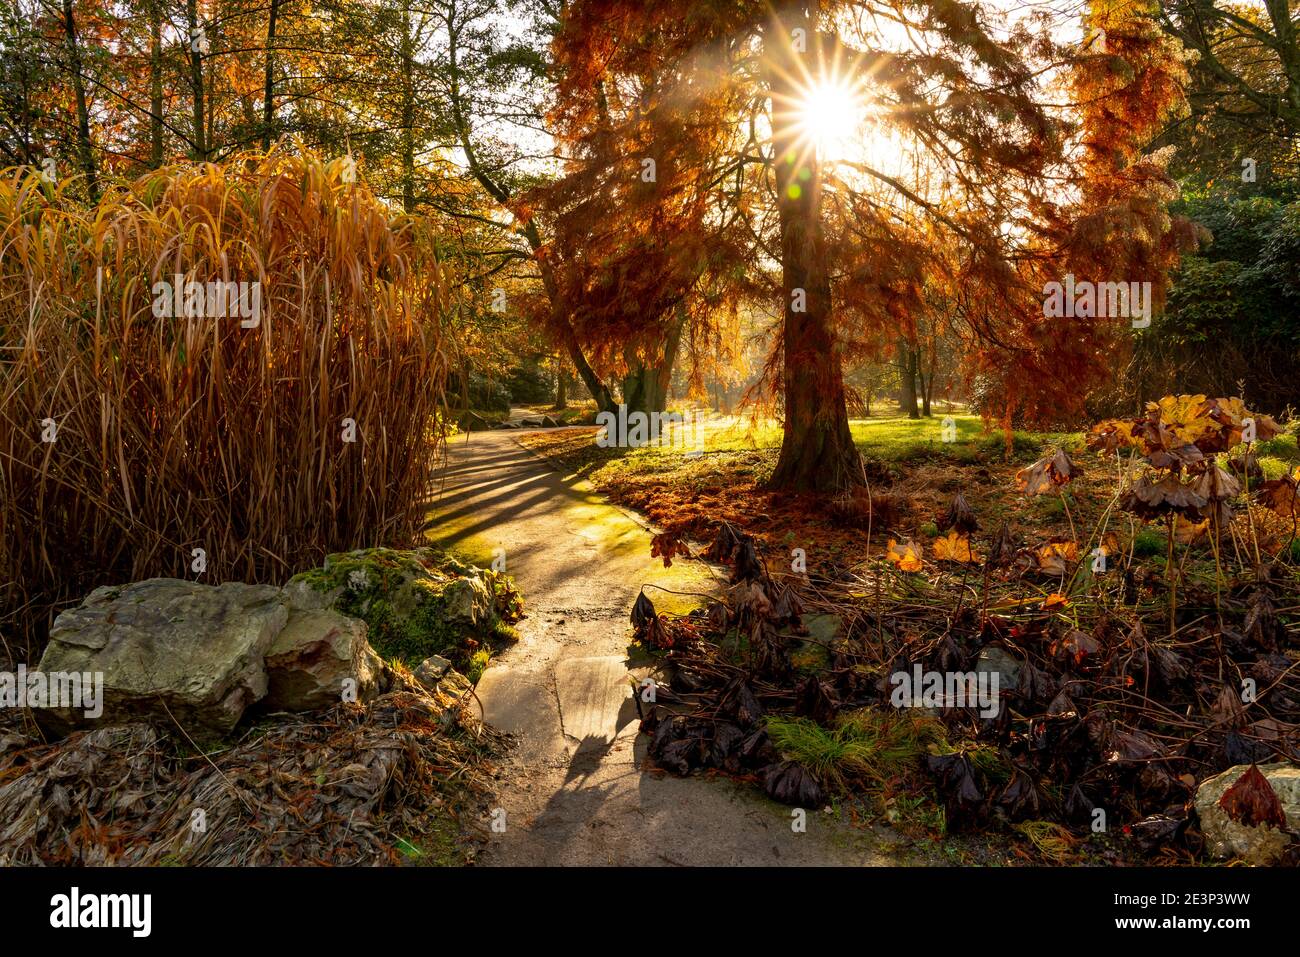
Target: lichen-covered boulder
{"x": 320, "y": 658}
{"x": 170, "y": 650}
{"x": 1225, "y": 838}
{"x": 415, "y": 603}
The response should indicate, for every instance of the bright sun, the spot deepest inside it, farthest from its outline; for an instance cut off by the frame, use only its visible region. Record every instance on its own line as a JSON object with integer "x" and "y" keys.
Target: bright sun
{"x": 833, "y": 114}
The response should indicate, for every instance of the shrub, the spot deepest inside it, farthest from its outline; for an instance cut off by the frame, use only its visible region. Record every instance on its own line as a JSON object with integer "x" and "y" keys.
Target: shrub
{"x": 175, "y": 434}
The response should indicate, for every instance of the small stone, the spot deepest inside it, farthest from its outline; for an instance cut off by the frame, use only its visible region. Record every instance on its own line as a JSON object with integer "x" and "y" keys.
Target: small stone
{"x": 455, "y": 685}
{"x": 431, "y": 671}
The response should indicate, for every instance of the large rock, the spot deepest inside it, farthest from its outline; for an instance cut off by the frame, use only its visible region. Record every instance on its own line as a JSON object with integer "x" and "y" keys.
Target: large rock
{"x": 319, "y": 655}
{"x": 1225, "y": 838}
{"x": 168, "y": 649}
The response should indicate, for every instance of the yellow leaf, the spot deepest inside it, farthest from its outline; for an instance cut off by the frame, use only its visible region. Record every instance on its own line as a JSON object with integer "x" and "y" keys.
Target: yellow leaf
{"x": 1111, "y": 434}
{"x": 1186, "y": 532}
{"x": 1187, "y": 416}
{"x": 1054, "y": 556}
{"x": 906, "y": 556}
{"x": 955, "y": 548}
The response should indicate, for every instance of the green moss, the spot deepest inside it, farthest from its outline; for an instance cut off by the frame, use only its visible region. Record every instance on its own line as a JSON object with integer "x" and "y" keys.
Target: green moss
{"x": 368, "y": 583}
{"x": 503, "y": 634}
{"x": 408, "y": 639}
{"x": 1148, "y": 543}
{"x": 437, "y": 843}
{"x": 809, "y": 657}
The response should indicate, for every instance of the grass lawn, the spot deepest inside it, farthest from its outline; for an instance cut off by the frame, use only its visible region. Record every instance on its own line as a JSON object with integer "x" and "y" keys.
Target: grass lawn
{"x": 914, "y": 475}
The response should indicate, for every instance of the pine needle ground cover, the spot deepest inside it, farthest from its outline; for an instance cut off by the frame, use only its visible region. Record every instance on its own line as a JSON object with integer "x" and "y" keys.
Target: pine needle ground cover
{"x": 402, "y": 781}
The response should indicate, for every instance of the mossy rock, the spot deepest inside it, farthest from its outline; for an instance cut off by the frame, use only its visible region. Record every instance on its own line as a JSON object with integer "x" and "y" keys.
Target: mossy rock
{"x": 415, "y": 603}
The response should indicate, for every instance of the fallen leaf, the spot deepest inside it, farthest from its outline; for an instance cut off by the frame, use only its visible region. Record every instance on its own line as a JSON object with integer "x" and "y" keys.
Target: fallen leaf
{"x": 1188, "y": 532}
{"x": 1054, "y": 557}
{"x": 1052, "y": 470}
{"x": 959, "y": 516}
{"x": 906, "y": 557}
{"x": 955, "y": 548}
{"x": 1253, "y": 802}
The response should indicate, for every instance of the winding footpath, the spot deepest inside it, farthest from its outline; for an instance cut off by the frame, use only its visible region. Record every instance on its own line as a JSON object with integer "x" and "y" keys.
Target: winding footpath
{"x": 573, "y": 791}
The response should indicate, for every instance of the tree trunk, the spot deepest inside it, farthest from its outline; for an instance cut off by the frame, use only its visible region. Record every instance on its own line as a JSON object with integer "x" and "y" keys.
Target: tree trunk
{"x": 559, "y": 319}
{"x": 913, "y": 377}
{"x": 268, "y": 90}
{"x": 817, "y": 450}
{"x": 930, "y": 366}
{"x": 907, "y": 370}
{"x": 645, "y": 386}
{"x": 196, "y": 81}
{"x": 559, "y": 322}
{"x": 85, "y": 149}
{"x": 408, "y": 111}
{"x": 561, "y": 385}
{"x": 598, "y": 389}
{"x": 155, "y": 86}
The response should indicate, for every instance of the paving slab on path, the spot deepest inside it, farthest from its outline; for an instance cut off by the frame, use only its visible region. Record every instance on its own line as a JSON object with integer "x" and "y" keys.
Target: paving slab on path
{"x": 573, "y": 791}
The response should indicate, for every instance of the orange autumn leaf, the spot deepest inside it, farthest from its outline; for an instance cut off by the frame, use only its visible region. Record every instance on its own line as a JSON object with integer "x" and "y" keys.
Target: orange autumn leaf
{"x": 905, "y": 556}
{"x": 955, "y": 548}
{"x": 1053, "y": 557}
{"x": 1047, "y": 474}
{"x": 1111, "y": 434}
{"x": 1187, "y": 532}
{"x": 667, "y": 545}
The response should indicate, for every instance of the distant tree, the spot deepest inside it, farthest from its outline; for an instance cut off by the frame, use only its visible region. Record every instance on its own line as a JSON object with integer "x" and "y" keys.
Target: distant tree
{"x": 1245, "y": 85}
